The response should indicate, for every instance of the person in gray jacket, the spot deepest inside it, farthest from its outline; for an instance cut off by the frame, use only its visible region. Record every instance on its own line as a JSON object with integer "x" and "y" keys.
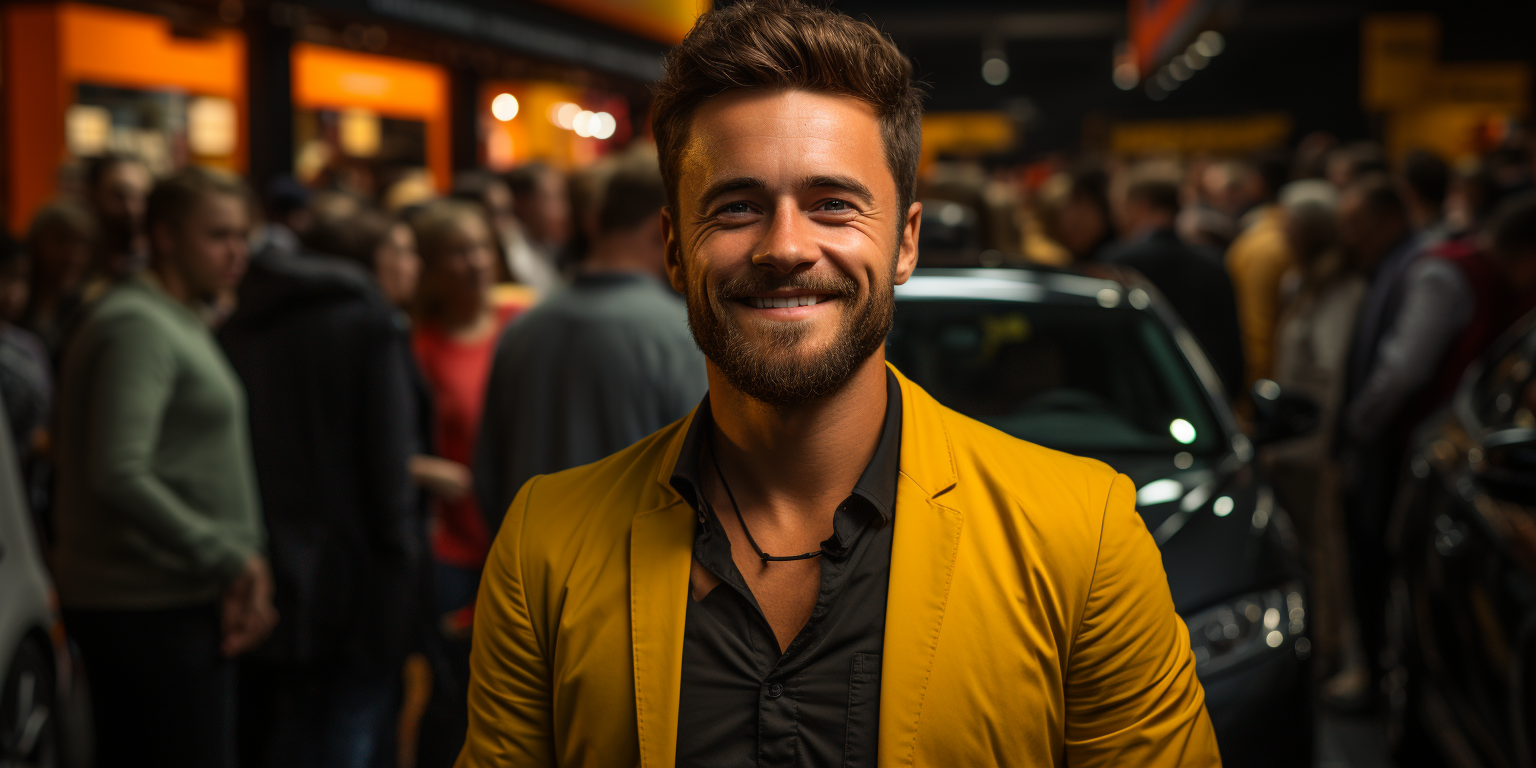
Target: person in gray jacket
{"x": 597, "y": 366}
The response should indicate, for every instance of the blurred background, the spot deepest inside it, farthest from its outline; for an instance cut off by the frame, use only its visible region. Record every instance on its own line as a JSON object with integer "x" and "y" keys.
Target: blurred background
{"x": 1300, "y": 161}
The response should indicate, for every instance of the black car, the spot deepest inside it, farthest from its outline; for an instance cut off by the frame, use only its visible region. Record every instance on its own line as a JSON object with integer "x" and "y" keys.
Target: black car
{"x": 1462, "y": 614}
{"x": 1099, "y": 366}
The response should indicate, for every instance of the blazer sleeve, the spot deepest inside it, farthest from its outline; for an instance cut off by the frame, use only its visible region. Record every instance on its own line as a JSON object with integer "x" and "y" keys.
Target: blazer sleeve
{"x": 509, "y": 686}
{"x": 1131, "y": 692}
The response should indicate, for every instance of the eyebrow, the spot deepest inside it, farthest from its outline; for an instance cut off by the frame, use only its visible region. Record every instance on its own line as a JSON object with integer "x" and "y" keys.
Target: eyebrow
{"x": 847, "y": 184}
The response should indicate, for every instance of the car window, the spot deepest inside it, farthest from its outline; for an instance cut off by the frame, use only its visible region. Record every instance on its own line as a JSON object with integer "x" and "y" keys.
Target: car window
{"x": 1505, "y": 394}
{"x": 1077, "y": 378}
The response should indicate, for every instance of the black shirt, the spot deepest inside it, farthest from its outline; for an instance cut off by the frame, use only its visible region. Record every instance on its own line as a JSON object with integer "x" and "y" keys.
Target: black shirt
{"x": 743, "y": 703}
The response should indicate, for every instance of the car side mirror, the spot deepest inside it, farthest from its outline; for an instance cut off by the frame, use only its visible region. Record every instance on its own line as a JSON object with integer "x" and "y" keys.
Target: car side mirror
{"x": 1508, "y": 464}
{"x": 1280, "y": 415}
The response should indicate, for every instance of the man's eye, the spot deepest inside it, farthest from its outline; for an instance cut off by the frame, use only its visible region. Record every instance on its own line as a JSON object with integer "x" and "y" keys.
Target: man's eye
{"x": 736, "y": 208}
{"x": 837, "y": 206}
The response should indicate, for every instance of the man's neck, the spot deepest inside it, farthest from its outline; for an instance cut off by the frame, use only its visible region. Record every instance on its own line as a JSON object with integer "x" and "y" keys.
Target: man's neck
{"x": 800, "y": 460}
{"x": 621, "y": 252}
{"x": 172, "y": 282}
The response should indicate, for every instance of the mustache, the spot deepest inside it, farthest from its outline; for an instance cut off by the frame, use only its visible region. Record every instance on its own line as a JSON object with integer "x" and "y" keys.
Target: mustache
{"x": 754, "y": 283}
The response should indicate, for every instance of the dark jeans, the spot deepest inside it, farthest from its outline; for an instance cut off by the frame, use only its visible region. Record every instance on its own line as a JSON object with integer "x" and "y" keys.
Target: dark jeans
{"x": 1372, "y": 476}
{"x": 162, "y": 694}
{"x": 315, "y": 716}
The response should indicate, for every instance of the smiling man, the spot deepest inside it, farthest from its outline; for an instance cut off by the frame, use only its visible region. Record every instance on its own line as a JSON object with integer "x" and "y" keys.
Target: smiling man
{"x": 821, "y": 565}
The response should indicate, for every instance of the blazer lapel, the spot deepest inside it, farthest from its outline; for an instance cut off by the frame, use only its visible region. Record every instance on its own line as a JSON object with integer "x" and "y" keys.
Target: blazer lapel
{"x": 923, "y": 551}
{"x": 661, "y": 548}
{"x": 660, "y": 552}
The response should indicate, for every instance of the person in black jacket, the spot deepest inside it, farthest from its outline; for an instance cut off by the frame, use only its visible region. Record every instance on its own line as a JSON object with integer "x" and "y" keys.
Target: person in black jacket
{"x": 333, "y": 428}
{"x": 1191, "y": 278}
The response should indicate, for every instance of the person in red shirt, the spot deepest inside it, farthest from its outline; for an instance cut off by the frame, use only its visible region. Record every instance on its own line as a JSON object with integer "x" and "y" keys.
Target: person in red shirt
{"x": 454, "y": 340}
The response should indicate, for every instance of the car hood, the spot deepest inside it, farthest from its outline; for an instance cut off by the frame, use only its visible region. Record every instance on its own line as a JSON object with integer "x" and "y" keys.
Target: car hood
{"x": 1220, "y": 532}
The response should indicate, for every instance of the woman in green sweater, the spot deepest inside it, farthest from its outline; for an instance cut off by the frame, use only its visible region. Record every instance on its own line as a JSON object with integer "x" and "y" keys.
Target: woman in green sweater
{"x": 159, "y": 560}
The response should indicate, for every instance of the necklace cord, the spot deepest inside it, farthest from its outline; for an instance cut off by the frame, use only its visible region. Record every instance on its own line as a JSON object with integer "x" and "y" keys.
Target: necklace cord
{"x": 742, "y": 521}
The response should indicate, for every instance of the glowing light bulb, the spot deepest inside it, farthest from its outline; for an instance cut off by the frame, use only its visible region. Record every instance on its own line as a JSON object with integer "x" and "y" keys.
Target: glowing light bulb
{"x": 504, "y": 107}
{"x": 1182, "y": 431}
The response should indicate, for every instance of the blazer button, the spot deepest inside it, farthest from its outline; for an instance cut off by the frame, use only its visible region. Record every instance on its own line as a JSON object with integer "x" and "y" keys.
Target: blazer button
{"x": 775, "y": 690}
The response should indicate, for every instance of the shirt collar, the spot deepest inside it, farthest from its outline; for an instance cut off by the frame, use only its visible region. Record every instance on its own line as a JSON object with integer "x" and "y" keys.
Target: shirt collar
{"x": 877, "y": 484}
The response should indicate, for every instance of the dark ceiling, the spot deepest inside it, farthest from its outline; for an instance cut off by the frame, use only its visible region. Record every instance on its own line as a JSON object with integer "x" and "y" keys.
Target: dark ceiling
{"x": 1297, "y": 57}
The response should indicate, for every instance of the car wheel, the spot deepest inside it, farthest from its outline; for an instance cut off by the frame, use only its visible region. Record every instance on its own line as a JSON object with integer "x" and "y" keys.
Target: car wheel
{"x": 28, "y": 728}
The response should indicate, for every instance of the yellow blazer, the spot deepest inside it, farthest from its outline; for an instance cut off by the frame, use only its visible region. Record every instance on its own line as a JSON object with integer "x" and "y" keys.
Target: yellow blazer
{"x": 1028, "y": 621}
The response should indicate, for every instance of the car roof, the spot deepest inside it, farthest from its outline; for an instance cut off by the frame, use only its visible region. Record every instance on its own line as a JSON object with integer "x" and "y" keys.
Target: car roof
{"x": 1104, "y": 287}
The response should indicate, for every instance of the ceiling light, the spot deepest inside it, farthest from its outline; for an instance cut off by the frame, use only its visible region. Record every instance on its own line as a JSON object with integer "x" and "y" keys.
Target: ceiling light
{"x": 1126, "y": 76}
{"x": 504, "y": 107}
{"x": 994, "y": 71}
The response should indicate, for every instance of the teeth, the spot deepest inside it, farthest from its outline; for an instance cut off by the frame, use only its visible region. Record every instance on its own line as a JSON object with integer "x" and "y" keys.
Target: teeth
{"x": 782, "y": 302}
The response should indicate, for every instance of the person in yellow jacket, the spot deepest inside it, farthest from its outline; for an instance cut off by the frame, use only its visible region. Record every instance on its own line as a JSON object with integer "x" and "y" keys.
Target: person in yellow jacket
{"x": 821, "y": 565}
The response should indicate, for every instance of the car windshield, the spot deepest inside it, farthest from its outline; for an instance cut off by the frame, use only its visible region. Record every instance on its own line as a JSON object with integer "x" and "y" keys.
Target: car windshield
{"x": 1075, "y": 378}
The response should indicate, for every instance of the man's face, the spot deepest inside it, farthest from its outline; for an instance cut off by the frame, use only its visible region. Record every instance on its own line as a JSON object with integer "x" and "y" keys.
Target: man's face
{"x": 209, "y": 248}
{"x": 788, "y": 240}
{"x": 122, "y": 194}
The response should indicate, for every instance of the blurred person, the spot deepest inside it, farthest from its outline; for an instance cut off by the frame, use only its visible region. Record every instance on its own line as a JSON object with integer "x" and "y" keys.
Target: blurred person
{"x": 61, "y": 243}
{"x": 159, "y": 564}
{"x": 1191, "y": 278}
{"x": 632, "y": 612}
{"x": 595, "y": 367}
{"x": 26, "y": 384}
{"x": 1348, "y": 164}
{"x": 1310, "y": 161}
{"x": 1259, "y": 258}
{"x": 117, "y": 188}
{"x": 522, "y": 262}
{"x": 541, "y": 201}
{"x": 333, "y": 430}
{"x": 1374, "y": 230}
{"x": 1425, "y": 182}
{"x": 1320, "y": 297}
{"x": 288, "y": 217}
{"x": 408, "y": 192}
{"x": 1075, "y": 212}
{"x": 454, "y": 339}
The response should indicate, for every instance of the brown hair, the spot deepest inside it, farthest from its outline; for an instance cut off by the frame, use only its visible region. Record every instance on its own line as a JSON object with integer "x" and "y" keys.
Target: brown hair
{"x": 785, "y": 44}
{"x": 61, "y": 219}
{"x": 175, "y": 197}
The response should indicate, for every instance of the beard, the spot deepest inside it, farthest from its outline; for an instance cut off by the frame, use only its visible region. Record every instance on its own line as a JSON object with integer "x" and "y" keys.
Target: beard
{"x": 772, "y": 366}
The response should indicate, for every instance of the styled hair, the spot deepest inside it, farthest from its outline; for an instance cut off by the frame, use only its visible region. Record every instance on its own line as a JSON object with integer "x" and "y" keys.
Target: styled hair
{"x": 175, "y": 197}
{"x": 439, "y": 221}
{"x": 356, "y": 237}
{"x": 61, "y": 220}
{"x": 769, "y": 45}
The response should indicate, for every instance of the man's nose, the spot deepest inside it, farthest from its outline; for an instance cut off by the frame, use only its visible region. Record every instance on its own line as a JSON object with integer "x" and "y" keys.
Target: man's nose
{"x": 789, "y": 245}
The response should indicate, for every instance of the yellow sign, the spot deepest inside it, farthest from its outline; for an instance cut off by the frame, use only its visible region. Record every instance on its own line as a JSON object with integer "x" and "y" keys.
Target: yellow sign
{"x": 967, "y": 133}
{"x": 1501, "y": 84}
{"x": 1208, "y": 134}
{"x": 1398, "y": 54}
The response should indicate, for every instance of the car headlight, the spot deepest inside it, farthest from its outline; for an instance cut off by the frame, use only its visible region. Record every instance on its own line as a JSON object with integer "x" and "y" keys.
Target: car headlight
{"x": 1249, "y": 627}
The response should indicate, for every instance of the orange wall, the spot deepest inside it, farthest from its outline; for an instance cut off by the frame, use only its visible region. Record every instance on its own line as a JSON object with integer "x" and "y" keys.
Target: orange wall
{"x": 51, "y": 48}
{"x": 333, "y": 78}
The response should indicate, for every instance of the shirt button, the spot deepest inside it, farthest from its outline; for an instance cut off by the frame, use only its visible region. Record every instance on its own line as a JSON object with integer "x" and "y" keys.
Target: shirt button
{"x": 775, "y": 690}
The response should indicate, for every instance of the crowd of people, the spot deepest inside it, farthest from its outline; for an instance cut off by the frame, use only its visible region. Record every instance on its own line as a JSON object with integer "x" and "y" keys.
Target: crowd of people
{"x": 248, "y": 421}
{"x": 268, "y": 437}
{"x": 1365, "y": 285}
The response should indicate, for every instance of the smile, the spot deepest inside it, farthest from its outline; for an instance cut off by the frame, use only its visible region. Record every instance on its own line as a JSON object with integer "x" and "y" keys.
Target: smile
{"x": 782, "y": 302}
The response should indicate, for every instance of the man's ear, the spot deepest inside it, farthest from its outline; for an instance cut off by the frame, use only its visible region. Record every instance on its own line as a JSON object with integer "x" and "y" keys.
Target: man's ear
{"x": 906, "y": 255}
{"x": 669, "y": 236}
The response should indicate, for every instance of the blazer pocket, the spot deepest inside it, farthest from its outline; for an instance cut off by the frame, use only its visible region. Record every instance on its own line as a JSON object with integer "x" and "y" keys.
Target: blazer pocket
{"x": 861, "y": 740}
